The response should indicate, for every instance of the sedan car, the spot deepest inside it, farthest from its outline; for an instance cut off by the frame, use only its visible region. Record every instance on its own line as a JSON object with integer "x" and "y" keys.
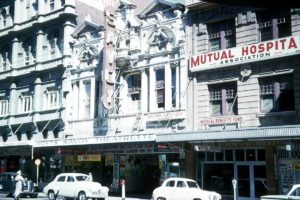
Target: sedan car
{"x": 294, "y": 194}
{"x": 182, "y": 189}
{"x": 75, "y": 185}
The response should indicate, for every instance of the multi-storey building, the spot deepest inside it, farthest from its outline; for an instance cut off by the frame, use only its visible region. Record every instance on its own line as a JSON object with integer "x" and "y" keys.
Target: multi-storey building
{"x": 243, "y": 99}
{"x": 150, "y": 89}
{"x": 35, "y": 51}
{"x": 37, "y": 79}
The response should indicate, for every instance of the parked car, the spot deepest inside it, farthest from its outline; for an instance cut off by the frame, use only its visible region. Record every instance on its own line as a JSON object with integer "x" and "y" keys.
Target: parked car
{"x": 8, "y": 182}
{"x": 293, "y": 194}
{"x": 75, "y": 185}
{"x": 183, "y": 189}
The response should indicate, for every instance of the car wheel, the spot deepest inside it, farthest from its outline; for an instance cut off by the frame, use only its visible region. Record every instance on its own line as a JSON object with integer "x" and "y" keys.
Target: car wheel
{"x": 51, "y": 195}
{"x": 82, "y": 196}
{"x": 161, "y": 198}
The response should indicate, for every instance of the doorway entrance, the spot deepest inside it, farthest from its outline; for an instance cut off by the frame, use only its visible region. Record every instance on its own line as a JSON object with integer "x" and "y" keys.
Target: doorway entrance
{"x": 251, "y": 180}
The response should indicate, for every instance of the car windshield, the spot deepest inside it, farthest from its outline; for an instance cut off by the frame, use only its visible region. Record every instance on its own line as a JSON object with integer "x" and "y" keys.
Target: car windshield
{"x": 192, "y": 184}
{"x": 82, "y": 178}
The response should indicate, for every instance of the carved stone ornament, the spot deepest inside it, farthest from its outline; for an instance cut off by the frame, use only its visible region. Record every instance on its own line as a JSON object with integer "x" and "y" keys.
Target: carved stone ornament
{"x": 88, "y": 55}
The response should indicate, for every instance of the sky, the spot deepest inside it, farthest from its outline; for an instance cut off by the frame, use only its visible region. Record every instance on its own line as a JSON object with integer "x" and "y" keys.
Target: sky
{"x": 100, "y": 4}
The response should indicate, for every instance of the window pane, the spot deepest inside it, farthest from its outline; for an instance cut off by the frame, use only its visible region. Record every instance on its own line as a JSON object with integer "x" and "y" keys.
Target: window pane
{"x": 266, "y": 34}
{"x": 261, "y": 155}
{"x": 239, "y": 155}
{"x": 284, "y": 30}
{"x": 215, "y": 44}
{"x": 230, "y": 42}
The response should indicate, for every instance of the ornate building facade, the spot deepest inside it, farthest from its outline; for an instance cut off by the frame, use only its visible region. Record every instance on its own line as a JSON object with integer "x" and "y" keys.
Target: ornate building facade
{"x": 244, "y": 98}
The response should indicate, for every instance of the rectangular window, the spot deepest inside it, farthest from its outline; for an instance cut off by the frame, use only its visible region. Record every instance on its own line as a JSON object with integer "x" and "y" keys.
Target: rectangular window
{"x": 4, "y": 61}
{"x": 221, "y": 35}
{"x": 223, "y": 99}
{"x": 160, "y": 88}
{"x": 3, "y": 106}
{"x": 87, "y": 98}
{"x": 277, "y": 94}
{"x": 134, "y": 86}
{"x": 51, "y": 98}
{"x": 273, "y": 24}
{"x": 25, "y": 103}
{"x": 173, "y": 87}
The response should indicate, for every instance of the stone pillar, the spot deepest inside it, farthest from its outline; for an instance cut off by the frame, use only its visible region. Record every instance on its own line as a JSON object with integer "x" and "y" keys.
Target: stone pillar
{"x": 15, "y": 49}
{"x": 38, "y": 98}
{"x": 168, "y": 87}
{"x": 41, "y": 7}
{"x": 75, "y": 100}
{"x": 190, "y": 163}
{"x": 272, "y": 185}
{"x": 183, "y": 80}
{"x": 152, "y": 90}
{"x": 13, "y": 99}
{"x": 17, "y": 11}
{"x": 177, "y": 77}
{"x": 67, "y": 39}
{"x": 92, "y": 97}
{"x": 144, "y": 91}
{"x": 39, "y": 46}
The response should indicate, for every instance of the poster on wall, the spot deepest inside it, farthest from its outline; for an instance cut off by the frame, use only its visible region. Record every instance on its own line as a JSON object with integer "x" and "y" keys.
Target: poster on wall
{"x": 109, "y": 159}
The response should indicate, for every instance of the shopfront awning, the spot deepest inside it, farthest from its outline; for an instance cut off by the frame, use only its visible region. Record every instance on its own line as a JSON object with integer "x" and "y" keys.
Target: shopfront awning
{"x": 261, "y": 133}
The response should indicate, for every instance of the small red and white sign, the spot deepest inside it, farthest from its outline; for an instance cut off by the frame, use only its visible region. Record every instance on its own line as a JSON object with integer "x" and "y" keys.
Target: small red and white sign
{"x": 221, "y": 120}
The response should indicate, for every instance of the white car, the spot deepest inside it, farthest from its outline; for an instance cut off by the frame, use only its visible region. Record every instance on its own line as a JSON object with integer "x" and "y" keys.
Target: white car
{"x": 182, "y": 189}
{"x": 75, "y": 185}
{"x": 293, "y": 194}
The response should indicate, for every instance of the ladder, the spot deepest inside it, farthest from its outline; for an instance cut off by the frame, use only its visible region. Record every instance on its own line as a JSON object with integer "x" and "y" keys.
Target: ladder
{"x": 137, "y": 122}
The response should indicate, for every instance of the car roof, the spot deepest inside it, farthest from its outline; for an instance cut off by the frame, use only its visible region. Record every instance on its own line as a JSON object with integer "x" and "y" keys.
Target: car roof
{"x": 181, "y": 179}
{"x": 72, "y": 174}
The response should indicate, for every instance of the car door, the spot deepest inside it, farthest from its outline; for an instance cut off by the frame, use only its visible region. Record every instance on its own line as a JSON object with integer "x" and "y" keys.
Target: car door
{"x": 181, "y": 190}
{"x": 70, "y": 186}
{"x": 60, "y": 185}
{"x": 168, "y": 190}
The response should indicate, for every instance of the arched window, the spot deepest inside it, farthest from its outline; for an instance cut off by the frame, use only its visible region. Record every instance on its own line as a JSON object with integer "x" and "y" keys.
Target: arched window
{"x": 54, "y": 44}
{"x": 29, "y": 51}
{"x": 5, "y": 59}
{"x": 4, "y": 18}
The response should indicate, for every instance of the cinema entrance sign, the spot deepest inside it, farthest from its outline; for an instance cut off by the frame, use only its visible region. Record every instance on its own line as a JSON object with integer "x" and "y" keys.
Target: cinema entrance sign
{"x": 245, "y": 54}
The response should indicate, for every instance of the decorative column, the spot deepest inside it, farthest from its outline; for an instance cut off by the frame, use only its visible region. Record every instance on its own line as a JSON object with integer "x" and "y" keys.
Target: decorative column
{"x": 123, "y": 98}
{"x": 69, "y": 28}
{"x": 38, "y": 98}
{"x": 152, "y": 90}
{"x": 178, "y": 92}
{"x": 13, "y": 99}
{"x": 144, "y": 92}
{"x": 75, "y": 100}
{"x": 41, "y": 7}
{"x": 168, "y": 87}
{"x": 17, "y": 11}
{"x": 39, "y": 46}
{"x": 15, "y": 51}
{"x": 93, "y": 96}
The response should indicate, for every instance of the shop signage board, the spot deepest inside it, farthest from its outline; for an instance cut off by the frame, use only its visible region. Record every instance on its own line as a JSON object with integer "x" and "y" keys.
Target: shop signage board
{"x": 245, "y": 54}
{"x": 164, "y": 116}
{"x": 221, "y": 120}
{"x": 96, "y": 140}
{"x": 89, "y": 158}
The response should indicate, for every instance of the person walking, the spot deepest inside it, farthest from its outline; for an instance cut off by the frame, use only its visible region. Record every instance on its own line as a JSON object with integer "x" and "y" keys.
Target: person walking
{"x": 19, "y": 184}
